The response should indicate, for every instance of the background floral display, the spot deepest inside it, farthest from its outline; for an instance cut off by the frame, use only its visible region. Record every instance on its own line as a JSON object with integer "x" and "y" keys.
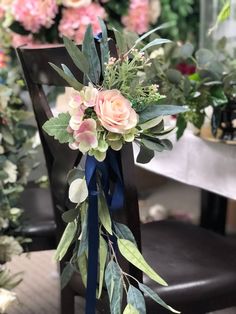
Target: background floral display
{"x": 37, "y": 21}
{"x": 16, "y": 162}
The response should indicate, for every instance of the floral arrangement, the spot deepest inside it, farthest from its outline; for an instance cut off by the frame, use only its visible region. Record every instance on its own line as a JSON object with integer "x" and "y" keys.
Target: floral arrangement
{"x": 104, "y": 115}
{"x": 16, "y": 139}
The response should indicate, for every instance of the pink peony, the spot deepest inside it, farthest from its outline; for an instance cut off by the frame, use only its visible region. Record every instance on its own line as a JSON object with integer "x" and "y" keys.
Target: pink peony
{"x": 33, "y": 14}
{"x": 137, "y": 19}
{"x": 75, "y": 21}
{"x": 86, "y": 136}
{"x": 115, "y": 112}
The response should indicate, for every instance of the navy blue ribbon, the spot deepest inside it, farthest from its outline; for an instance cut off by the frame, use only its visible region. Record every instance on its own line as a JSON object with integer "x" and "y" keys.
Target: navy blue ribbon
{"x": 115, "y": 199}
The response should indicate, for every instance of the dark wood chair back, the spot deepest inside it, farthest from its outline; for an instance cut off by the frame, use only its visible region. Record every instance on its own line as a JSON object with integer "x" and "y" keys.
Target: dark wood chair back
{"x": 59, "y": 158}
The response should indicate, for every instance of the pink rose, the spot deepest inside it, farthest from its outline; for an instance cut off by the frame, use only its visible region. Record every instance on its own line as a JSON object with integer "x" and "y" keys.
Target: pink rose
{"x": 115, "y": 112}
{"x": 86, "y": 136}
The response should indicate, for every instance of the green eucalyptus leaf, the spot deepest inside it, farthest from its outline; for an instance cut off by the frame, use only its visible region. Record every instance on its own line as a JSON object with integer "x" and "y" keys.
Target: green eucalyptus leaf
{"x": 186, "y": 51}
{"x": 90, "y": 52}
{"x": 82, "y": 264}
{"x": 136, "y": 299}
{"x": 114, "y": 286}
{"x": 103, "y": 211}
{"x": 7, "y": 136}
{"x": 66, "y": 240}
{"x": 145, "y": 155}
{"x": 57, "y": 127}
{"x": 120, "y": 41}
{"x": 167, "y": 144}
{"x": 66, "y": 275}
{"x": 151, "y": 123}
{"x": 129, "y": 309}
{"x": 83, "y": 246}
{"x": 152, "y": 145}
{"x": 103, "y": 251}
{"x": 78, "y": 191}
{"x": 174, "y": 76}
{"x": 141, "y": 38}
{"x": 76, "y": 55}
{"x": 75, "y": 174}
{"x": 70, "y": 80}
{"x": 132, "y": 254}
{"x": 152, "y": 111}
{"x": 156, "y": 42}
{"x": 123, "y": 232}
{"x": 151, "y": 294}
{"x": 70, "y": 215}
{"x": 104, "y": 45}
{"x": 181, "y": 125}
{"x": 68, "y": 72}
{"x": 204, "y": 57}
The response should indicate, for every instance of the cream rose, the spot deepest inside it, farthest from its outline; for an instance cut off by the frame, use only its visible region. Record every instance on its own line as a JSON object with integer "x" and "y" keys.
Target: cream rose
{"x": 76, "y": 3}
{"x": 115, "y": 112}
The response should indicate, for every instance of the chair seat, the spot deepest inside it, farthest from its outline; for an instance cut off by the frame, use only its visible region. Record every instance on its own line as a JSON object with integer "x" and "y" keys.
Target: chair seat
{"x": 199, "y": 266}
{"x": 38, "y": 218}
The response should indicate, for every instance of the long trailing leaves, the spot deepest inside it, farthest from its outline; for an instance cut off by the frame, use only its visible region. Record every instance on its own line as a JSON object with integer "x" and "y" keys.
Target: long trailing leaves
{"x": 141, "y": 38}
{"x": 151, "y": 294}
{"x": 67, "y": 77}
{"x": 114, "y": 285}
{"x": 76, "y": 55}
{"x": 136, "y": 299}
{"x": 132, "y": 254}
{"x": 152, "y": 111}
{"x": 103, "y": 251}
{"x": 104, "y": 45}
{"x": 90, "y": 52}
{"x": 66, "y": 240}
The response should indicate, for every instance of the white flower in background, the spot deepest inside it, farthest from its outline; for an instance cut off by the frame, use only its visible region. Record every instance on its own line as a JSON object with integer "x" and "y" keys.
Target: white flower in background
{"x": 11, "y": 170}
{"x": 76, "y": 3}
{"x": 5, "y": 94}
{"x": 35, "y": 140}
{"x": 154, "y": 10}
{"x": 6, "y": 299}
{"x": 160, "y": 52}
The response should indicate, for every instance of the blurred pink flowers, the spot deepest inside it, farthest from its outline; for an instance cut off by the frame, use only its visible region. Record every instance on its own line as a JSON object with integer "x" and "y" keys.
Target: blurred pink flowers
{"x": 75, "y": 21}
{"x": 33, "y": 14}
{"x": 137, "y": 19}
{"x": 20, "y": 40}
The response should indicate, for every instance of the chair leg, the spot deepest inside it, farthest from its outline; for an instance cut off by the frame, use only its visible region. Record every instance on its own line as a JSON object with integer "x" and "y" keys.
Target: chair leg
{"x": 67, "y": 301}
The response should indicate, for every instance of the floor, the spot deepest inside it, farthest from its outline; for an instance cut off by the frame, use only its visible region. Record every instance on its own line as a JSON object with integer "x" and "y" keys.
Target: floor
{"x": 41, "y": 280}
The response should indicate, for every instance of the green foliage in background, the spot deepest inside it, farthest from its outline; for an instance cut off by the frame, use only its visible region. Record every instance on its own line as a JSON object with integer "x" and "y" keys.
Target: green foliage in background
{"x": 184, "y": 16}
{"x": 16, "y": 162}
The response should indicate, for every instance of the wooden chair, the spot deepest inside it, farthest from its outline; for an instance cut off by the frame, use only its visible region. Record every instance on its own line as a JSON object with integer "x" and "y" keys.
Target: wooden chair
{"x": 198, "y": 265}
{"x": 38, "y": 221}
